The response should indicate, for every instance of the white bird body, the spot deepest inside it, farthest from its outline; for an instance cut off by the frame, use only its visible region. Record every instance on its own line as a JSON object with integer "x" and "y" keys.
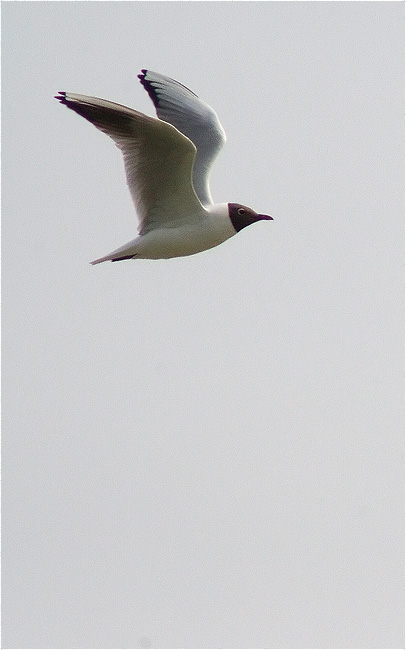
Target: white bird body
{"x": 206, "y": 229}
{"x": 167, "y": 163}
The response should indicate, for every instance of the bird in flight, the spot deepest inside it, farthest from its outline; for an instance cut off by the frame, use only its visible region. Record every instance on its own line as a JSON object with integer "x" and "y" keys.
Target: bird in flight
{"x": 167, "y": 163}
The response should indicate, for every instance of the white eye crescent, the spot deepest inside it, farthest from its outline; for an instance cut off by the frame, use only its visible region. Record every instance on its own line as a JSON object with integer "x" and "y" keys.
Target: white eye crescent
{"x": 241, "y": 211}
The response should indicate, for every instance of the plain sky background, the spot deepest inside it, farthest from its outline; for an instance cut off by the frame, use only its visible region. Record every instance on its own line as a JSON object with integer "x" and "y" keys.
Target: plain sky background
{"x": 205, "y": 451}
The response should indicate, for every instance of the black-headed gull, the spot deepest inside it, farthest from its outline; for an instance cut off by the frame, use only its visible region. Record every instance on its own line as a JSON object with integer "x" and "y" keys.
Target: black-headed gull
{"x": 167, "y": 163}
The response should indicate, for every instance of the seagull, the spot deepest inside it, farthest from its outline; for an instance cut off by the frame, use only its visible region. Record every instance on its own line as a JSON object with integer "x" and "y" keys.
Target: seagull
{"x": 167, "y": 163}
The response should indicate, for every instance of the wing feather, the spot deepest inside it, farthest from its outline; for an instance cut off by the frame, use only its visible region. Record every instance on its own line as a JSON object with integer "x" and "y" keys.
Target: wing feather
{"x": 179, "y": 106}
{"x": 158, "y": 159}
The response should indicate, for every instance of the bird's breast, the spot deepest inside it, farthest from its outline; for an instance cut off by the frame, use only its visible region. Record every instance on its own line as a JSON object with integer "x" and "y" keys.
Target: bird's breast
{"x": 186, "y": 239}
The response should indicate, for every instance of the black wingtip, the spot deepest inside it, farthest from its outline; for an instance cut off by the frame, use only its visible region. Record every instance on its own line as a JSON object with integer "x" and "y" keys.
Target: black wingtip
{"x": 142, "y": 76}
{"x": 148, "y": 85}
{"x": 61, "y": 96}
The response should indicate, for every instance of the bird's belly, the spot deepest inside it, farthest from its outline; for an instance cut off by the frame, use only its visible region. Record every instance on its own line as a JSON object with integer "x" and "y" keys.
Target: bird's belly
{"x": 178, "y": 242}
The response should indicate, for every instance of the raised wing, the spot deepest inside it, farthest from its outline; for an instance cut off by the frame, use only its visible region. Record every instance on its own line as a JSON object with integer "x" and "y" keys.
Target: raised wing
{"x": 158, "y": 159}
{"x": 179, "y": 106}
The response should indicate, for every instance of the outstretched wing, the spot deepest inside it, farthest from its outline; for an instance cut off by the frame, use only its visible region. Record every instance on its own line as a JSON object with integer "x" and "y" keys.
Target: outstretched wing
{"x": 158, "y": 159}
{"x": 179, "y": 106}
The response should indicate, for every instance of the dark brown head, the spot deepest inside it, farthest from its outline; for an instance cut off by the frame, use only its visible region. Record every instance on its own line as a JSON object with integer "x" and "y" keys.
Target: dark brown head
{"x": 241, "y": 216}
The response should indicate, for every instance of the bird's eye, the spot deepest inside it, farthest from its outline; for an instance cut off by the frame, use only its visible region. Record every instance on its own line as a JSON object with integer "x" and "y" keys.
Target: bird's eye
{"x": 241, "y": 211}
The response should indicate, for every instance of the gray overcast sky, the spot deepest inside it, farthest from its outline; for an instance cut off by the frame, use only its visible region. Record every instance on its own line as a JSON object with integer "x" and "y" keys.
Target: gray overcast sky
{"x": 207, "y": 451}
